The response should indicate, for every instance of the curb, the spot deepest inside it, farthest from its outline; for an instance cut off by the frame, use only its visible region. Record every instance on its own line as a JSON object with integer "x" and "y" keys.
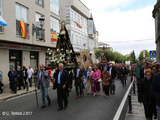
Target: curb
{"x": 15, "y": 95}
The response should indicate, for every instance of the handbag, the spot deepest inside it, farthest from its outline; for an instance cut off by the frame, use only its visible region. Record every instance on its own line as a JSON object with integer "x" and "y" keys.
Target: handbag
{"x": 99, "y": 80}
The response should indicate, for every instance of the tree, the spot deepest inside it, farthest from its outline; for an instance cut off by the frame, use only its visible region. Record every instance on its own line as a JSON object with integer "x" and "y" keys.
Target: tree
{"x": 133, "y": 57}
{"x": 141, "y": 55}
{"x": 98, "y": 53}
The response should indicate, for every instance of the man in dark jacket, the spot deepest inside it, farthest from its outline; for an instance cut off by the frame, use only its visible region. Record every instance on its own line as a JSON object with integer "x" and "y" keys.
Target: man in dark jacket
{"x": 61, "y": 82}
{"x": 123, "y": 73}
{"x": 155, "y": 91}
{"x": 78, "y": 75}
{"x": 13, "y": 80}
{"x": 20, "y": 78}
{"x": 142, "y": 71}
{"x": 112, "y": 71}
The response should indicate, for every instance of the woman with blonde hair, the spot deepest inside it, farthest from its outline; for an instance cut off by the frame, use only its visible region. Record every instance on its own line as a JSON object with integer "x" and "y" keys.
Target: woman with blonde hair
{"x": 90, "y": 80}
{"x": 145, "y": 96}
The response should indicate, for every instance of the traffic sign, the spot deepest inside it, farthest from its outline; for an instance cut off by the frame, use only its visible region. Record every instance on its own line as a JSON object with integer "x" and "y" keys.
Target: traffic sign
{"x": 152, "y": 54}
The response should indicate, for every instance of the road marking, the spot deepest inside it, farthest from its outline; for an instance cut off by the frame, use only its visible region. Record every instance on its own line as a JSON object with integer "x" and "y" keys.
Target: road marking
{"x": 118, "y": 113}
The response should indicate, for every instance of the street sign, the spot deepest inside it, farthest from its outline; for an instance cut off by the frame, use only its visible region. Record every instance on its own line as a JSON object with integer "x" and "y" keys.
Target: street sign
{"x": 152, "y": 54}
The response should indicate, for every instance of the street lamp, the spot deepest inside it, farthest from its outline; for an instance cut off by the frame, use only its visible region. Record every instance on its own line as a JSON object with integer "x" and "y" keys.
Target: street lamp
{"x": 41, "y": 23}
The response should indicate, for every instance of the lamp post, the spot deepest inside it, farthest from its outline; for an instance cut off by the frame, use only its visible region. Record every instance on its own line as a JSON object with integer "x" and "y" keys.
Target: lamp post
{"x": 41, "y": 23}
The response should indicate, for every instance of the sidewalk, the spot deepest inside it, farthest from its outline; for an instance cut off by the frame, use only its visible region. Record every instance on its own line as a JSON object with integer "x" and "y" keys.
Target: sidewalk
{"x": 137, "y": 109}
{"x": 7, "y": 93}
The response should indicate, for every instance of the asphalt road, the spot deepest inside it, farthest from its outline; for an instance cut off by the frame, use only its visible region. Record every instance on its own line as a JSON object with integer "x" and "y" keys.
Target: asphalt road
{"x": 87, "y": 108}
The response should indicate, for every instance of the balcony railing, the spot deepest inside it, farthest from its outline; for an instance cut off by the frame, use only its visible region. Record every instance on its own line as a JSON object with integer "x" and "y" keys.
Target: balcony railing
{"x": 40, "y": 34}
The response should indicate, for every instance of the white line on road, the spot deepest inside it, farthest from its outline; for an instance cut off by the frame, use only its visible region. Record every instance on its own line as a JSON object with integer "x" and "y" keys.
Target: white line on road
{"x": 118, "y": 113}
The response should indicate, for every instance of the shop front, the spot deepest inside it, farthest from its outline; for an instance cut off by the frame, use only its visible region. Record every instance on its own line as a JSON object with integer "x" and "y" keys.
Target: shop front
{"x": 15, "y": 58}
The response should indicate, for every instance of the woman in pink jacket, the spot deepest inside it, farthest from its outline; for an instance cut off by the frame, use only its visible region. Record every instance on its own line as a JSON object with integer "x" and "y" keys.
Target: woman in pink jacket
{"x": 96, "y": 85}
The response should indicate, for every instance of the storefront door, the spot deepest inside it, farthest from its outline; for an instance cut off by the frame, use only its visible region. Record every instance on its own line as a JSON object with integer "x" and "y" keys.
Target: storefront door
{"x": 34, "y": 59}
{"x": 15, "y": 58}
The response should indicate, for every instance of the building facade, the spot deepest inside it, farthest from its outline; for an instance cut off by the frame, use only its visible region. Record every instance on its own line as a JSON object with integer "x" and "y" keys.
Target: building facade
{"x": 156, "y": 16}
{"x": 39, "y": 44}
{"x": 76, "y": 15}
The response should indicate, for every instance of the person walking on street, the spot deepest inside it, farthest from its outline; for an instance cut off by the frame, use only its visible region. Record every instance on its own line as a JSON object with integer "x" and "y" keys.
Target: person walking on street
{"x": 35, "y": 75}
{"x": 13, "y": 80}
{"x": 123, "y": 73}
{"x": 42, "y": 80}
{"x": 1, "y": 84}
{"x": 9, "y": 73}
{"x": 61, "y": 82}
{"x": 96, "y": 85}
{"x": 142, "y": 71}
{"x": 145, "y": 96}
{"x": 85, "y": 78}
{"x": 105, "y": 82}
{"x": 155, "y": 91}
{"x": 20, "y": 78}
{"x": 25, "y": 77}
{"x": 78, "y": 75}
{"x": 90, "y": 80}
{"x": 30, "y": 73}
{"x": 137, "y": 70}
{"x": 70, "y": 81}
{"x": 112, "y": 72}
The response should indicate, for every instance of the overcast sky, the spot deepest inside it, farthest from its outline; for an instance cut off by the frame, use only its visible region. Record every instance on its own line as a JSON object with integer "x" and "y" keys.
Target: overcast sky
{"x": 118, "y": 21}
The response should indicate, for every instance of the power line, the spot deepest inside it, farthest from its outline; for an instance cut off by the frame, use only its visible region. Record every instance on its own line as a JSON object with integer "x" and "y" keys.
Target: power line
{"x": 132, "y": 41}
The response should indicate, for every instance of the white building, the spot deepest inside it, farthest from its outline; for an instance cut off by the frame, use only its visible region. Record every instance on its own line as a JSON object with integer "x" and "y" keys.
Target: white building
{"x": 32, "y": 50}
{"x": 76, "y": 15}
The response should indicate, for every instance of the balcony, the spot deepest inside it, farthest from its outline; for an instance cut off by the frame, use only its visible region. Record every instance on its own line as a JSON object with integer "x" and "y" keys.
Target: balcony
{"x": 18, "y": 29}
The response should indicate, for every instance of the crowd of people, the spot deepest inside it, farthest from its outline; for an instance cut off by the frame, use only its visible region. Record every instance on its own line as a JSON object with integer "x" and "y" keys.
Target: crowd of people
{"x": 146, "y": 77}
{"x": 89, "y": 79}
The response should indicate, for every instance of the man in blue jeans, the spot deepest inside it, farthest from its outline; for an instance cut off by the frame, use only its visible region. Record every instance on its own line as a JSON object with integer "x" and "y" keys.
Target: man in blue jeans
{"x": 155, "y": 91}
{"x": 42, "y": 80}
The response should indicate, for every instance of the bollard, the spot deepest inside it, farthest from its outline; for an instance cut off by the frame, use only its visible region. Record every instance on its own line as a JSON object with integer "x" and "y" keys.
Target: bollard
{"x": 129, "y": 104}
{"x": 134, "y": 88}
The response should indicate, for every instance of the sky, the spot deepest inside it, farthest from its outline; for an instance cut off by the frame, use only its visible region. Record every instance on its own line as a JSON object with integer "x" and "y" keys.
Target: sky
{"x": 125, "y": 25}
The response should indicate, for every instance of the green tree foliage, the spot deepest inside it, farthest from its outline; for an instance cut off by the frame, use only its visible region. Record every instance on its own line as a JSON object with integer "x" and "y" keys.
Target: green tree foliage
{"x": 98, "y": 53}
{"x": 141, "y": 55}
{"x": 111, "y": 56}
{"x": 132, "y": 58}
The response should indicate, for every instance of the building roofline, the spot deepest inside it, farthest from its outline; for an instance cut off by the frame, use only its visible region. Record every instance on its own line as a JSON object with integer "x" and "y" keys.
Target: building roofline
{"x": 84, "y": 5}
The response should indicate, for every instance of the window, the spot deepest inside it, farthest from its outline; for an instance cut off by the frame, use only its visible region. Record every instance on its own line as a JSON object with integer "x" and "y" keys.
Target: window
{"x": 40, "y": 2}
{"x": 40, "y": 32}
{"x": 1, "y": 27}
{"x": 21, "y": 15}
{"x": 54, "y": 25}
{"x": 54, "y": 6}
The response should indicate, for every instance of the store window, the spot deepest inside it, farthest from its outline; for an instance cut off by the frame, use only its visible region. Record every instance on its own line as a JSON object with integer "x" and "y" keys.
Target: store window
{"x": 15, "y": 58}
{"x": 21, "y": 15}
{"x": 54, "y": 6}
